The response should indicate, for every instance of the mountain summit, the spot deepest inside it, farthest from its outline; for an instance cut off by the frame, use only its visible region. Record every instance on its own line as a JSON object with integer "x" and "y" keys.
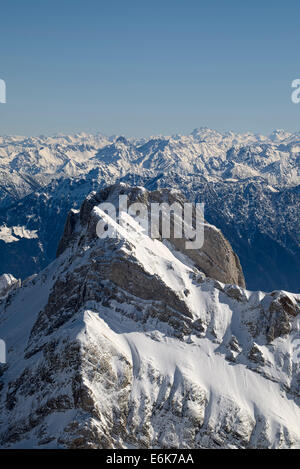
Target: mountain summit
{"x": 125, "y": 342}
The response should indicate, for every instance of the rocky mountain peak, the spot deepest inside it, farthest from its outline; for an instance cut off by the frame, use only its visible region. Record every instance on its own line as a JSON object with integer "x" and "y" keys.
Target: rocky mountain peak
{"x": 215, "y": 258}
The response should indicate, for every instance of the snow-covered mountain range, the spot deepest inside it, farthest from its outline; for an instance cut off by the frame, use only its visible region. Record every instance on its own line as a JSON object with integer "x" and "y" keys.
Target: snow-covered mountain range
{"x": 29, "y": 163}
{"x": 250, "y": 184}
{"x": 124, "y": 342}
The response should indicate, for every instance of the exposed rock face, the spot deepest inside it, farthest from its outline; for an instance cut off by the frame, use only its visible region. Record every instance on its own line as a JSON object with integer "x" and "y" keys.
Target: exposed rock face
{"x": 216, "y": 258}
{"x": 123, "y": 342}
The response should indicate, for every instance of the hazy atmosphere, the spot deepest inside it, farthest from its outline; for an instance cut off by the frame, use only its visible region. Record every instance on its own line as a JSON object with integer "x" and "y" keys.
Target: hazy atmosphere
{"x": 140, "y": 68}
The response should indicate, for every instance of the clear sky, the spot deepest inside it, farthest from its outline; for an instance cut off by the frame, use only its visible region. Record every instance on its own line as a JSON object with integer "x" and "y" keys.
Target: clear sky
{"x": 148, "y": 67}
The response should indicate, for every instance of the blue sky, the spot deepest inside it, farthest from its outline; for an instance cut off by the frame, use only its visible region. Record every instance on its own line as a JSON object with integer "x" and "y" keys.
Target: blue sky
{"x": 147, "y": 67}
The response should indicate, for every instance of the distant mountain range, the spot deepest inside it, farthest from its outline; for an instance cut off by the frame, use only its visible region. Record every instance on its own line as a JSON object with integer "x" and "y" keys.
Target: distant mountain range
{"x": 250, "y": 184}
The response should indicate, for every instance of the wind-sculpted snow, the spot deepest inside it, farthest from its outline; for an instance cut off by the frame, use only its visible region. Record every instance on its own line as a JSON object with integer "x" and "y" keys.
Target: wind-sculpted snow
{"x": 124, "y": 343}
